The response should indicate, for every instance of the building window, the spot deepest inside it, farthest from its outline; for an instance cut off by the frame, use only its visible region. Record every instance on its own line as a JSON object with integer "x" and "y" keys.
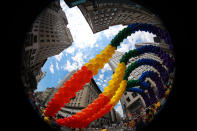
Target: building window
{"x": 128, "y": 99}
{"x": 34, "y": 51}
{"x": 134, "y": 94}
{"x": 35, "y": 38}
{"x": 32, "y": 58}
{"x": 102, "y": 11}
{"x": 78, "y": 104}
{"x": 41, "y": 40}
{"x": 96, "y": 12}
{"x": 48, "y": 40}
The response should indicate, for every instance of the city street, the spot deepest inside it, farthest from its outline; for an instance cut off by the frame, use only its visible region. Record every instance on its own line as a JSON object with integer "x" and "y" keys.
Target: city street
{"x": 110, "y": 129}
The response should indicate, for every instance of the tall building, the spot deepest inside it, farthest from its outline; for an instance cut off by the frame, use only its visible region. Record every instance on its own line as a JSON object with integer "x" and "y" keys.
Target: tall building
{"x": 118, "y": 117}
{"x": 48, "y": 36}
{"x": 38, "y": 95}
{"x": 100, "y": 14}
{"x": 131, "y": 101}
{"x": 83, "y": 97}
{"x": 157, "y": 42}
{"x": 40, "y": 76}
{"x": 67, "y": 77}
{"x": 113, "y": 62}
{"x": 46, "y": 95}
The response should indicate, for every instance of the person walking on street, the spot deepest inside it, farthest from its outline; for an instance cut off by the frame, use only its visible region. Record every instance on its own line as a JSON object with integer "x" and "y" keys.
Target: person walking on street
{"x": 139, "y": 124}
{"x": 53, "y": 123}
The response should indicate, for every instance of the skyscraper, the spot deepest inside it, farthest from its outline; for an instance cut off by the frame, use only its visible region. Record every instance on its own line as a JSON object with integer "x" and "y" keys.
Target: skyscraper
{"x": 40, "y": 76}
{"x": 48, "y": 36}
{"x": 67, "y": 77}
{"x": 100, "y": 14}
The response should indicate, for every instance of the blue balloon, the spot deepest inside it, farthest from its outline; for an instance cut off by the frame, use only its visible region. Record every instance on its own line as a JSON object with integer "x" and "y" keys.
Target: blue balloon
{"x": 144, "y": 85}
{"x": 138, "y": 90}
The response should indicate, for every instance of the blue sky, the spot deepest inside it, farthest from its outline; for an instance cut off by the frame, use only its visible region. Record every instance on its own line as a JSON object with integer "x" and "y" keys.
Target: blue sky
{"x": 85, "y": 46}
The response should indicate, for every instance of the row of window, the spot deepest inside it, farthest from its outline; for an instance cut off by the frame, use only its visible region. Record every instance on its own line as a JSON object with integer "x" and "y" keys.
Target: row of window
{"x": 42, "y": 35}
{"x": 74, "y": 104}
{"x": 49, "y": 41}
{"x": 47, "y": 31}
{"x": 47, "y": 18}
{"x": 134, "y": 94}
{"x": 104, "y": 11}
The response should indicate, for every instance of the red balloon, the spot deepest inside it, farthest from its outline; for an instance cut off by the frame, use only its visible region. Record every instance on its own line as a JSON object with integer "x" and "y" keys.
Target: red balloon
{"x": 84, "y": 68}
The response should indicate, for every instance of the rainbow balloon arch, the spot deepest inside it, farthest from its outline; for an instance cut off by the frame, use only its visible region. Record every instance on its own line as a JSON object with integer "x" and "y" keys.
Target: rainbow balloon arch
{"x": 119, "y": 82}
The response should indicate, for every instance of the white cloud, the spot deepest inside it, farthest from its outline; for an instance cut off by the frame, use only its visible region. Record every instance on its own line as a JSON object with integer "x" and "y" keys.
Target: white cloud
{"x": 137, "y": 37}
{"x": 106, "y": 68}
{"x": 142, "y": 36}
{"x": 101, "y": 76}
{"x": 70, "y": 50}
{"x": 105, "y": 85}
{"x": 98, "y": 83}
{"x": 57, "y": 66}
{"x": 76, "y": 62}
{"x": 126, "y": 47}
{"x": 70, "y": 67}
{"x": 78, "y": 58}
{"x": 59, "y": 56}
{"x": 51, "y": 69}
{"x": 119, "y": 109}
{"x": 81, "y": 32}
{"x": 64, "y": 5}
{"x": 102, "y": 89}
{"x": 113, "y": 30}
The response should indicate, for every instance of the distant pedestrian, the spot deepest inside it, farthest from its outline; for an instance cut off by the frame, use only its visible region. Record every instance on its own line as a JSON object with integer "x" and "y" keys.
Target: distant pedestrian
{"x": 47, "y": 120}
{"x": 139, "y": 124}
{"x": 53, "y": 123}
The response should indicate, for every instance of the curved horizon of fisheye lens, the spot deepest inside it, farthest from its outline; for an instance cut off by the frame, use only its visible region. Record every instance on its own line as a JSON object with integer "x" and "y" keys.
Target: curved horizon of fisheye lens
{"x": 109, "y": 62}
